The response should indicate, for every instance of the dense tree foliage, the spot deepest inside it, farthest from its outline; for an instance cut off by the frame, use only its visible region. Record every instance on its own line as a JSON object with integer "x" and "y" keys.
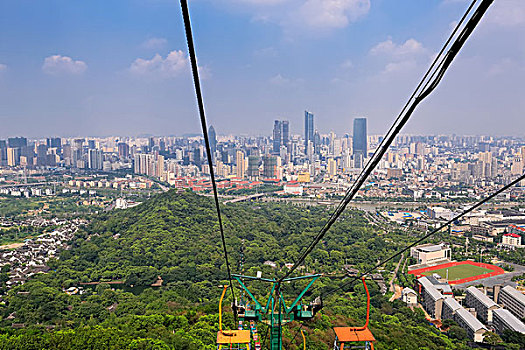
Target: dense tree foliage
{"x": 175, "y": 236}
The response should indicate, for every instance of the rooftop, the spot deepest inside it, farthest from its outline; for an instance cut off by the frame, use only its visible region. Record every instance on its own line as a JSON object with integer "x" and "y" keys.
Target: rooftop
{"x": 452, "y": 303}
{"x": 485, "y": 300}
{"x": 510, "y": 320}
{"x": 516, "y": 294}
{"x": 430, "y": 289}
{"x": 470, "y": 320}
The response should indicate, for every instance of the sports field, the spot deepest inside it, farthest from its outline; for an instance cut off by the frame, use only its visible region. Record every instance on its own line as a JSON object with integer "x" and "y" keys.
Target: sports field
{"x": 461, "y": 272}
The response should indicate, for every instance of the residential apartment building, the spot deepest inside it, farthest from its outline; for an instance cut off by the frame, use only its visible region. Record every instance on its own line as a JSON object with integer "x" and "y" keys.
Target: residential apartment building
{"x": 503, "y": 319}
{"x": 450, "y": 306}
{"x": 483, "y": 305}
{"x": 512, "y": 300}
{"x": 475, "y": 329}
{"x": 432, "y": 299}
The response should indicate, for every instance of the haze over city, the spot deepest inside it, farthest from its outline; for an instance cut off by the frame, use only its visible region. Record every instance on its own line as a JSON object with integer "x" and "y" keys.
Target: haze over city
{"x": 99, "y": 69}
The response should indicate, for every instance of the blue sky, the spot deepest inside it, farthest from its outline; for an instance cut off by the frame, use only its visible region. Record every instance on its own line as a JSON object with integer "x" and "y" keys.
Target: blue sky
{"x": 78, "y": 68}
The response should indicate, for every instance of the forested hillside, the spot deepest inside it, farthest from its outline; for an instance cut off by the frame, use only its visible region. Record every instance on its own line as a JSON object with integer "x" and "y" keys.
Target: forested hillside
{"x": 175, "y": 236}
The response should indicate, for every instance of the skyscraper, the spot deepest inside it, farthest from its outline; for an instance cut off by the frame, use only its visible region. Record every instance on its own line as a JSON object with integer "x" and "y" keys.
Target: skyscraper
{"x": 123, "y": 150}
{"x": 95, "y": 159}
{"x": 54, "y": 142}
{"x": 359, "y": 143}
{"x": 269, "y": 166}
{"x": 308, "y": 129}
{"x": 240, "y": 164}
{"x": 213, "y": 140}
{"x": 285, "y": 134}
{"x": 277, "y": 137}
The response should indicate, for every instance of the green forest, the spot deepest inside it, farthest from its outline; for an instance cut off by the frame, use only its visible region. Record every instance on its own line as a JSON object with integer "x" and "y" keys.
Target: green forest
{"x": 116, "y": 258}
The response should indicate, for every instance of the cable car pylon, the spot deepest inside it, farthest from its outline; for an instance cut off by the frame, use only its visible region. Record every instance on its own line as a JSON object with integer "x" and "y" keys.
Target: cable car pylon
{"x": 275, "y": 313}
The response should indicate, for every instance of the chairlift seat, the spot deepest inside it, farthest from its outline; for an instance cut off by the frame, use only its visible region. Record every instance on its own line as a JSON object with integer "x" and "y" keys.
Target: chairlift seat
{"x": 350, "y": 334}
{"x": 233, "y": 337}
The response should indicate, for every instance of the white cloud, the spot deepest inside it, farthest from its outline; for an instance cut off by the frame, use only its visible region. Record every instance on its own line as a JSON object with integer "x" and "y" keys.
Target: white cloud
{"x": 333, "y": 13}
{"x": 154, "y": 43}
{"x": 507, "y": 13}
{"x": 279, "y": 80}
{"x": 347, "y": 64}
{"x": 410, "y": 47}
{"x": 159, "y": 67}
{"x": 58, "y": 64}
{"x": 261, "y": 2}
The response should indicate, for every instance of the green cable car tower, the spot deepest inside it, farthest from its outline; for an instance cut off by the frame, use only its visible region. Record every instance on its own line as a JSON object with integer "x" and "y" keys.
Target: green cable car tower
{"x": 275, "y": 313}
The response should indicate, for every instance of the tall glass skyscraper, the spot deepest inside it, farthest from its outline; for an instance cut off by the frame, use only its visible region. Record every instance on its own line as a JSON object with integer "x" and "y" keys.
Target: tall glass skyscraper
{"x": 308, "y": 129}
{"x": 277, "y": 137}
{"x": 359, "y": 143}
{"x": 281, "y": 135}
{"x": 213, "y": 140}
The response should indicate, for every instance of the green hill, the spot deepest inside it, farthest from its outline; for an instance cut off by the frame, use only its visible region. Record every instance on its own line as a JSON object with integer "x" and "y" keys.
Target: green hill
{"x": 175, "y": 236}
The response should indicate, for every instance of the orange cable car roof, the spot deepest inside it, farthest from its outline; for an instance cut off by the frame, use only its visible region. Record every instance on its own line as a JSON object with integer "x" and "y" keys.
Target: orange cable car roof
{"x": 349, "y": 334}
{"x": 233, "y": 337}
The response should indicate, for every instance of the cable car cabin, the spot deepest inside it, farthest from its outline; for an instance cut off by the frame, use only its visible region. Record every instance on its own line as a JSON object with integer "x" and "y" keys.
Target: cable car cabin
{"x": 355, "y": 337}
{"x": 307, "y": 312}
{"x": 238, "y": 339}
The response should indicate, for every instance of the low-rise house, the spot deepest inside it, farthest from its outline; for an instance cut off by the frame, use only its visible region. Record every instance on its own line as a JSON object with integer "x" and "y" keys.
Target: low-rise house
{"x": 409, "y": 296}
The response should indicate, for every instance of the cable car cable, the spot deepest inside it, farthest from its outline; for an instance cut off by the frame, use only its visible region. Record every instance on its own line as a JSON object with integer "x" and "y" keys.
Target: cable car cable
{"x": 401, "y": 120}
{"x": 202, "y": 115}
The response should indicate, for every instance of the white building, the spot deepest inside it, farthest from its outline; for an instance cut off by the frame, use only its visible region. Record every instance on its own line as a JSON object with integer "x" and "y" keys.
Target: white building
{"x": 503, "y": 319}
{"x": 430, "y": 253}
{"x": 512, "y": 300}
{"x": 483, "y": 304}
{"x": 511, "y": 239}
{"x": 475, "y": 329}
{"x": 409, "y": 296}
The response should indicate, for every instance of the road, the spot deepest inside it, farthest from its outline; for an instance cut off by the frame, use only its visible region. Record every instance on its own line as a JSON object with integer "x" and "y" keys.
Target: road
{"x": 391, "y": 288}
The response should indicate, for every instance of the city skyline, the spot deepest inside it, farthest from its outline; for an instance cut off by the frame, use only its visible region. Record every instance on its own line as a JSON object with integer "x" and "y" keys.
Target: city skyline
{"x": 81, "y": 73}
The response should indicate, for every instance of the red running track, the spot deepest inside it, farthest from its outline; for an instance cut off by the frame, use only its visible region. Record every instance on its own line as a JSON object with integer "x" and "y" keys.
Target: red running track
{"x": 495, "y": 270}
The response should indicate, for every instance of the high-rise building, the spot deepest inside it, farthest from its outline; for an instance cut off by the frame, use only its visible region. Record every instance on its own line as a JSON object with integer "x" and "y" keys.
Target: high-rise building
{"x": 285, "y": 134}
{"x": 308, "y": 129}
{"x": 241, "y": 164}
{"x": 213, "y": 140}
{"x": 17, "y": 142}
{"x": 277, "y": 137}
{"x": 253, "y": 166}
{"x": 281, "y": 136}
{"x": 359, "y": 144}
{"x": 3, "y": 152}
{"x": 54, "y": 142}
{"x": 13, "y": 156}
{"x": 95, "y": 159}
{"x": 41, "y": 154}
{"x": 269, "y": 166}
{"x": 123, "y": 150}
{"x": 332, "y": 167}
